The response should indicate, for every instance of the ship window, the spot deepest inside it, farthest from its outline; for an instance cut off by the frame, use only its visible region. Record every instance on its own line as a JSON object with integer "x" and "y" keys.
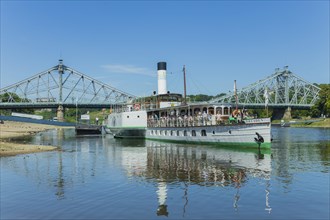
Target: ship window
{"x": 226, "y": 111}
{"x": 127, "y": 116}
{"x": 138, "y": 116}
{"x": 184, "y": 133}
{"x": 203, "y": 132}
{"x": 165, "y": 133}
{"x": 171, "y": 133}
{"x": 151, "y": 132}
{"x": 196, "y": 110}
{"x": 211, "y": 110}
{"x": 193, "y": 133}
{"x": 177, "y": 133}
{"x": 213, "y": 132}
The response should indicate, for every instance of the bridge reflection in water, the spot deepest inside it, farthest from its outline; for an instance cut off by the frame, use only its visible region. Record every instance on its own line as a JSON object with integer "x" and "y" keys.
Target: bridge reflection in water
{"x": 165, "y": 166}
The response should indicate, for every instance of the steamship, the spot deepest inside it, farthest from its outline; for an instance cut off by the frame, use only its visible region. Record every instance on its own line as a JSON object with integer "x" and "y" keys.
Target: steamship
{"x": 168, "y": 117}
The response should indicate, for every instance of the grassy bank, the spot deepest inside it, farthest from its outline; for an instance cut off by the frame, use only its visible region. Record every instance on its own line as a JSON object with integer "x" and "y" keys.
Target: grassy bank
{"x": 308, "y": 122}
{"x": 318, "y": 124}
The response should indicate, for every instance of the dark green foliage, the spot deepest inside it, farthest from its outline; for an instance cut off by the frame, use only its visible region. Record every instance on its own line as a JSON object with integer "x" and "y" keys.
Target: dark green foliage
{"x": 261, "y": 113}
{"x": 47, "y": 114}
{"x": 8, "y": 112}
{"x": 219, "y": 95}
{"x": 322, "y": 106}
{"x": 12, "y": 97}
{"x": 199, "y": 98}
{"x": 70, "y": 114}
{"x": 300, "y": 113}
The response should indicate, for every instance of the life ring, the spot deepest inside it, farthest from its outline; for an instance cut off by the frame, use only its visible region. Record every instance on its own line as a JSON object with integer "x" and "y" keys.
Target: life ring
{"x": 137, "y": 107}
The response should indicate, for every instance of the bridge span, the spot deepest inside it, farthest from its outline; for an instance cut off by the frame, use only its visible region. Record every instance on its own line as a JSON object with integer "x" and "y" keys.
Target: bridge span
{"x": 54, "y": 105}
{"x": 283, "y": 91}
{"x": 59, "y": 87}
{"x": 63, "y": 87}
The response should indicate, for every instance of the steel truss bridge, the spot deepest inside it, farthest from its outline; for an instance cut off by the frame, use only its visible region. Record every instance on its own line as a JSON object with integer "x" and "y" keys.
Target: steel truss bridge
{"x": 283, "y": 89}
{"x": 66, "y": 87}
{"x": 61, "y": 86}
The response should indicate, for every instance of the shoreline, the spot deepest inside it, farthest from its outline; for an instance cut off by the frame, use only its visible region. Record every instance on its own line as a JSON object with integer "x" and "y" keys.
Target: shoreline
{"x": 11, "y": 129}
{"x": 306, "y": 123}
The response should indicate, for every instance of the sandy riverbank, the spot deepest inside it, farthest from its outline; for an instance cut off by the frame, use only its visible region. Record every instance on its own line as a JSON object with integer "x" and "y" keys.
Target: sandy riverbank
{"x": 12, "y": 129}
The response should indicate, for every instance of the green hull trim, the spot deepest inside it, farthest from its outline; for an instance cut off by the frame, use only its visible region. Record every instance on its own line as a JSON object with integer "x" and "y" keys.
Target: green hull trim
{"x": 126, "y": 127}
{"x": 227, "y": 145}
{"x": 129, "y": 137}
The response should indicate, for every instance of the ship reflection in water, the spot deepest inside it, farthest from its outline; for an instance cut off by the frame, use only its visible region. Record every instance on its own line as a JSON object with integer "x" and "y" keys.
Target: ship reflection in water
{"x": 168, "y": 163}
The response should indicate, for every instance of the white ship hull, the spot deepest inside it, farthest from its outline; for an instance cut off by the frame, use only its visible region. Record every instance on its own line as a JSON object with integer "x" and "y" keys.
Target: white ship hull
{"x": 127, "y": 124}
{"x": 242, "y": 134}
{"x": 134, "y": 125}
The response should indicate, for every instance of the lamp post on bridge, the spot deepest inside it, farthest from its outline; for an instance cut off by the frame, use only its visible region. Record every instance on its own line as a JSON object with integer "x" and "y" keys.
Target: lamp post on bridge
{"x": 76, "y": 111}
{"x": 60, "y": 114}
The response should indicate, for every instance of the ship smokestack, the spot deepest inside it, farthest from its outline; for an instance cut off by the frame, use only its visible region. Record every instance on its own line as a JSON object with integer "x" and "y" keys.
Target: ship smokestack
{"x": 161, "y": 71}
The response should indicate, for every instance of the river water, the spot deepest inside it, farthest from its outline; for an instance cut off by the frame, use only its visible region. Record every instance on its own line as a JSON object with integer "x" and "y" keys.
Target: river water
{"x": 105, "y": 178}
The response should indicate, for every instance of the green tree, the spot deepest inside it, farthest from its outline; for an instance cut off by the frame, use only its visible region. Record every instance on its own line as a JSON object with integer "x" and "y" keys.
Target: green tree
{"x": 322, "y": 106}
{"x": 13, "y": 97}
{"x": 9, "y": 97}
{"x": 199, "y": 98}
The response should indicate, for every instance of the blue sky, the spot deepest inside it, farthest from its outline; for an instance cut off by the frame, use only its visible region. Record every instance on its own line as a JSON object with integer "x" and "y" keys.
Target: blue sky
{"x": 120, "y": 42}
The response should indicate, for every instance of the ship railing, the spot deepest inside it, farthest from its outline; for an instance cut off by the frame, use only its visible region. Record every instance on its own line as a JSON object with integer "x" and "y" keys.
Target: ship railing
{"x": 190, "y": 121}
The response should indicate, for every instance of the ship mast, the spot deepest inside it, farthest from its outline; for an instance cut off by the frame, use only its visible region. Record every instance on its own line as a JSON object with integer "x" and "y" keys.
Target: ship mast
{"x": 184, "y": 85}
{"x": 235, "y": 92}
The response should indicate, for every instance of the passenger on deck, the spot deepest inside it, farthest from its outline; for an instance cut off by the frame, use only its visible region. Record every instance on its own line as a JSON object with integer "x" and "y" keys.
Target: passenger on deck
{"x": 218, "y": 118}
{"x": 185, "y": 120}
{"x": 234, "y": 116}
{"x": 235, "y": 113}
{"x": 239, "y": 116}
{"x": 204, "y": 117}
{"x": 209, "y": 119}
{"x": 190, "y": 121}
{"x": 180, "y": 121}
{"x": 150, "y": 121}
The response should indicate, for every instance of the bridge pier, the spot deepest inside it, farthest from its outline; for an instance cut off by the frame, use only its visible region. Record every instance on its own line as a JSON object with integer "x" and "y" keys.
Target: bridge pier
{"x": 287, "y": 114}
{"x": 282, "y": 113}
{"x": 60, "y": 113}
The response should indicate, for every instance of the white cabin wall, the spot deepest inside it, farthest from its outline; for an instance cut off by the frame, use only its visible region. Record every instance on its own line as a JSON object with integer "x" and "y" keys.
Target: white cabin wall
{"x": 134, "y": 119}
